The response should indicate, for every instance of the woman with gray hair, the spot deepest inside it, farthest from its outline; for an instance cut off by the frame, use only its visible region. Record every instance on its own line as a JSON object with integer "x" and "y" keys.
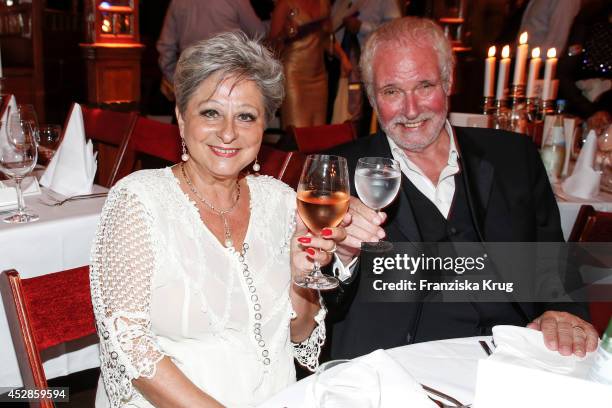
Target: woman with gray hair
{"x": 192, "y": 265}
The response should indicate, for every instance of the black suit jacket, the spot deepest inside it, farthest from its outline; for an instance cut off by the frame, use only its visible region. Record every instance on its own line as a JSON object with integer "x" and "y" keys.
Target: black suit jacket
{"x": 511, "y": 201}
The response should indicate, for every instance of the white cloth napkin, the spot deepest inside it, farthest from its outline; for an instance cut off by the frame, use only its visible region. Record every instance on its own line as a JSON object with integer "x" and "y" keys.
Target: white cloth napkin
{"x": 397, "y": 387}
{"x": 525, "y": 347}
{"x": 73, "y": 167}
{"x": 522, "y": 372}
{"x": 11, "y": 108}
{"x": 584, "y": 181}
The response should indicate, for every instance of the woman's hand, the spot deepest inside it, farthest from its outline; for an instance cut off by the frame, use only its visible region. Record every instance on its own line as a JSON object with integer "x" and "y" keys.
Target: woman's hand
{"x": 307, "y": 248}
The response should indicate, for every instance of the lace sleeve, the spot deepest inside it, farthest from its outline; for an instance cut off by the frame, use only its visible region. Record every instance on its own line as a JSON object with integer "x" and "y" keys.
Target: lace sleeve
{"x": 121, "y": 272}
{"x": 307, "y": 352}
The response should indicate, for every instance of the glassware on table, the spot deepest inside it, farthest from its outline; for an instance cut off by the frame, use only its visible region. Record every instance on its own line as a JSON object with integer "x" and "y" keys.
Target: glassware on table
{"x": 322, "y": 201}
{"x": 604, "y": 147}
{"x": 28, "y": 113}
{"x": 49, "y": 141}
{"x": 346, "y": 383}
{"x": 377, "y": 181}
{"x": 18, "y": 154}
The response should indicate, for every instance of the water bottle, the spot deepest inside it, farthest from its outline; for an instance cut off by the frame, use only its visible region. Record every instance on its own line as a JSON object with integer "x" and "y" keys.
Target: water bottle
{"x": 602, "y": 368}
{"x": 553, "y": 148}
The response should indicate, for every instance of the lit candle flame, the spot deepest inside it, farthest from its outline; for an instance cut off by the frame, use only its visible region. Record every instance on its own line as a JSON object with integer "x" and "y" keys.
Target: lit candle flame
{"x": 551, "y": 53}
{"x": 492, "y": 51}
{"x": 535, "y": 53}
{"x": 523, "y": 38}
{"x": 506, "y": 51}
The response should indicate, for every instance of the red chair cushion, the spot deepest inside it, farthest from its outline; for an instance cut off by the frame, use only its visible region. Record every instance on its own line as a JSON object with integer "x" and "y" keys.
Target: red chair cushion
{"x": 320, "y": 138}
{"x": 157, "y": 139}
{"x": 59, "y": 306}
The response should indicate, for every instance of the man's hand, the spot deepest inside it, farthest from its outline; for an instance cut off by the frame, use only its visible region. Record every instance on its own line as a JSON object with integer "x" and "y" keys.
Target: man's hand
{"x": 566, "y": 333}
{"x": 361, "y": 225}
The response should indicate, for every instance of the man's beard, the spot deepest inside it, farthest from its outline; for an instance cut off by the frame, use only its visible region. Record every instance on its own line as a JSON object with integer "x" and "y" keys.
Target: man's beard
{"x": 393, "y": 129}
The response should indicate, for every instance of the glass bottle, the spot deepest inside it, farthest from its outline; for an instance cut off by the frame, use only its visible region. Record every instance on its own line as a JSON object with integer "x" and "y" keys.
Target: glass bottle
{"x": 601, "y": 371}
{"x": 553, "y": 147}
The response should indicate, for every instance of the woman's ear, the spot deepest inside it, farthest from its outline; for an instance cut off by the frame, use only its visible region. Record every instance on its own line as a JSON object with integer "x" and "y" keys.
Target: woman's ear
{"x": 179, "y": 119}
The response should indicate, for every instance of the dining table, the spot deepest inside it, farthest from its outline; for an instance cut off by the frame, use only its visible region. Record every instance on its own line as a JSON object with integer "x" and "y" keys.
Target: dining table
{"x": 448, "y": 366}
{"x": 569, "y": 206}
{"x": 61, "y": 239}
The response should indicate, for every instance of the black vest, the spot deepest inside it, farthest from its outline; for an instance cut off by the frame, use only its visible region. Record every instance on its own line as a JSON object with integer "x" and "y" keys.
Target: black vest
{"x": 462, "y": 319}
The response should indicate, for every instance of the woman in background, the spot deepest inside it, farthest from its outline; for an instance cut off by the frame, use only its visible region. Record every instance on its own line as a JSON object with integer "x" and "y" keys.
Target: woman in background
{"x": 301, "y": 31}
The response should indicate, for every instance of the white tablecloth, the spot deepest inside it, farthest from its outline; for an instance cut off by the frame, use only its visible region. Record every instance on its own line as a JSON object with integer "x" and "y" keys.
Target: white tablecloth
{"x": 60, "y": 240}
{"x": 446, "y": 365}
{"x": 569, "y": 207}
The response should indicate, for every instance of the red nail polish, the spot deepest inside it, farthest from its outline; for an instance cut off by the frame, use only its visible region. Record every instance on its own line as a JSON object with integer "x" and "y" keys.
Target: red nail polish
{"x": 310, "y": 251}
{"x": 304, "y": 240}
{"x": 326, "y": 232}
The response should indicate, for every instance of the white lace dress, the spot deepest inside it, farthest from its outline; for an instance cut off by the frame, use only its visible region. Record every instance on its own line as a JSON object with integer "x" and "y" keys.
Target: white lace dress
{"x": 162, "y": 284}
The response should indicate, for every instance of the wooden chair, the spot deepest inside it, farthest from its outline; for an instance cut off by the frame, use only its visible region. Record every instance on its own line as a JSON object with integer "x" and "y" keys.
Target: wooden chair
{"x": 151, "y": 144}
{"x": 594, "y": 226}
{"x": 285, "y": 166}
{"x": 316, "y": 139}
{"x": 42, "y": 312}
{"x": 109, "y": 131}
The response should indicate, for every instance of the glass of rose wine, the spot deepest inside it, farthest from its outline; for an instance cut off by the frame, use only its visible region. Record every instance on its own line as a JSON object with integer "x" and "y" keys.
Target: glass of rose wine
{"x": 377, "y": 181}
{"x": 322, "y": 201}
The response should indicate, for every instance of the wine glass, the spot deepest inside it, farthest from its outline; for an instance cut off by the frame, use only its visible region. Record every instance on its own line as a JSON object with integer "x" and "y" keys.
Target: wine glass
{"x": 322, "y": 201}
{"x": 346, "y": 383}
{"x": 49, "y": 140}
{"x": 604, "y": 146}
{"x": 377, "y": 181}
{"x": 28, "y": 114}
{"x": 18, "y": 154}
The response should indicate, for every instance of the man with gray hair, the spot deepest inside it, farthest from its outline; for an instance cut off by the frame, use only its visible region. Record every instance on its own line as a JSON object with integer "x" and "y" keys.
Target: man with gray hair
{"x": 458, "y": 185}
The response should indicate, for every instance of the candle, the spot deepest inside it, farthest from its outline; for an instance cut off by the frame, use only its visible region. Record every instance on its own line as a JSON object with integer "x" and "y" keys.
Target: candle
{"x": 549, "y": 73}
{"x": 489, "y": 78}
{"x": 502, "y": 76}
{"x": 521, "y": 60}
{"x": 534, "y": 71}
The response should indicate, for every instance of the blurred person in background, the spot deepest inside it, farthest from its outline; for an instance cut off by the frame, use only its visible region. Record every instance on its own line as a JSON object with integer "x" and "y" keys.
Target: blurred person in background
{"x": 300, "y": 30}
{"x": 189, "y": 21}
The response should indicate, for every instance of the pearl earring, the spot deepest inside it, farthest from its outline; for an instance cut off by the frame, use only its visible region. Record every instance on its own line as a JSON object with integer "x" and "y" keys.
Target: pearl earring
{"x": 185, "y": 155}
{"x": 256, "y": 166}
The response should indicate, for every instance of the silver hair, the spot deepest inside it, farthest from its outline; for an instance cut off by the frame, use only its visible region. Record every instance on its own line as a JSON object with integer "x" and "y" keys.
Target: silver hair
{"x": 230, "y": 54}
{"x": 408, "y": 31}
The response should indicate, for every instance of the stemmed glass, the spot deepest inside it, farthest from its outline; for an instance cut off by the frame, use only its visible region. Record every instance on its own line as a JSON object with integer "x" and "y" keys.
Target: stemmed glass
{"x": 604, "y": 145}
{"x": 322, "y": 201}
{"x": 377, "y": 181}
{"x": 346, "y": 383}
{"x": 28, "y": 113}
{"x": 18, "y": 154}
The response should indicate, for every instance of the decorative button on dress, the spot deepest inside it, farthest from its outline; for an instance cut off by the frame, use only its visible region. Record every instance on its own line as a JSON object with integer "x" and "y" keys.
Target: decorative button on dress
{"x": 163, "y": 285}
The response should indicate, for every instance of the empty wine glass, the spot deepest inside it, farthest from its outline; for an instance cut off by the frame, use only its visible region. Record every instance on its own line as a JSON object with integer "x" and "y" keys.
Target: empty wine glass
{"x": 377, "y": 181}
{"x": 346, "y": 383}
{"x": 322, "y": 200}
{"x": 28, "y": 114}
{"x": 18, "y": 154}
{"x": 49, "y": 140}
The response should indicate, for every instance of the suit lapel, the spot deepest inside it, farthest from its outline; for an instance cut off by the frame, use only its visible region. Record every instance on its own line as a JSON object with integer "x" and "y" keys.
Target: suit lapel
{"x": 478, "y": 174}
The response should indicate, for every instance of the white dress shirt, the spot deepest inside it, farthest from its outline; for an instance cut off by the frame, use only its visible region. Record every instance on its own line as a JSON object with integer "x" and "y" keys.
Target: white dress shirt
{"x": 441, "y": 193}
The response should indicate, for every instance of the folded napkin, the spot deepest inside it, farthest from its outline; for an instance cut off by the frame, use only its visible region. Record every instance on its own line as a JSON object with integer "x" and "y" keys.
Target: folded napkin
{"x": 522, "y": 372}
{"x": 584, "y": 181}
{"x": 8, "y": 194}
{"x": 397, "y": 387}
{"x": 11, "y": 107}
{"x": 525, "y": 347}
{"x": 73, "y": 167}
